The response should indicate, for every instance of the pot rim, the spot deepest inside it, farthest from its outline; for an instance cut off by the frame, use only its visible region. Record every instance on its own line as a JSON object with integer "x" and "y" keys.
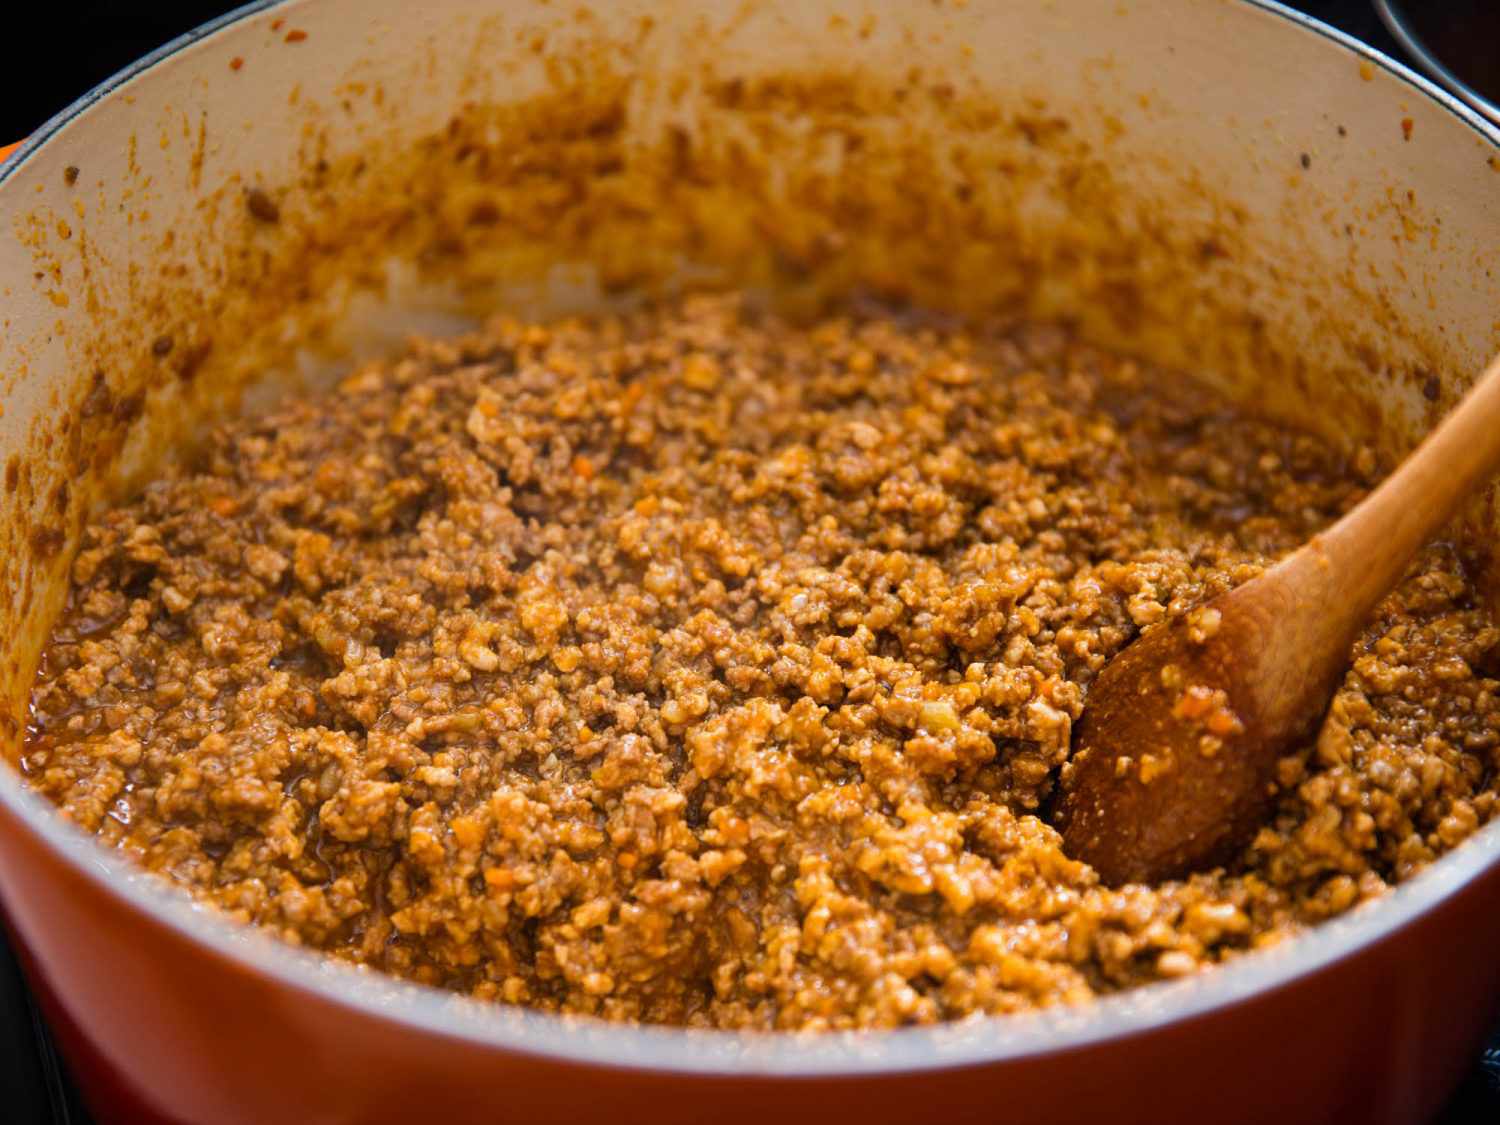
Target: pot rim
{"x": 586, "y": 1041}
{"x": 1394, "y": 16}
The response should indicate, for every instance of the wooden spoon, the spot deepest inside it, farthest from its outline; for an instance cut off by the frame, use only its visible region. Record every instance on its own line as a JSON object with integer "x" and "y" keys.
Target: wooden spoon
{"x": 1174, "y": 759}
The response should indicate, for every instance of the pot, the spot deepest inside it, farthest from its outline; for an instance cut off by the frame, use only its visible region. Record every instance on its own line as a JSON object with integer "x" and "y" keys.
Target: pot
{"x": 1455, "y": 45}
{"x": 1224, "y": 186}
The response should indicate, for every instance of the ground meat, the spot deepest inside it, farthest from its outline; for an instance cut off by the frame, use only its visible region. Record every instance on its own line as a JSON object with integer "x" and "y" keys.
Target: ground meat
{"x": 699, "y": 668}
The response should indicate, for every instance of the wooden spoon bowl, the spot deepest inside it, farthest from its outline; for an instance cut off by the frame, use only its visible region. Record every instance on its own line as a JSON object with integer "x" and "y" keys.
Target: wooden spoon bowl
{"x": 1174, "y": 760}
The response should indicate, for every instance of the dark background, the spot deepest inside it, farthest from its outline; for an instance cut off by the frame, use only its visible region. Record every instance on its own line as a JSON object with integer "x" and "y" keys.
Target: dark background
{"x": 57, "y": 51}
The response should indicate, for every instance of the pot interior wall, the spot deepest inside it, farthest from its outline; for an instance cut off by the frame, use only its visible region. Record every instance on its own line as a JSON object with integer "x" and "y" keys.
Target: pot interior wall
{"x": 1203, "y": 184}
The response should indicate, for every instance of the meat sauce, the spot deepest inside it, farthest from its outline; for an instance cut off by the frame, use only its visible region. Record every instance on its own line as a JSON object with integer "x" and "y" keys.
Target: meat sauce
{"x": 695, "y": 667}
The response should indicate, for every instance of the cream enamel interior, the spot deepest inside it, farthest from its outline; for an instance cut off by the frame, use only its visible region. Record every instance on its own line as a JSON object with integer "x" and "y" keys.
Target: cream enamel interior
{"x": 1349, "y": 217}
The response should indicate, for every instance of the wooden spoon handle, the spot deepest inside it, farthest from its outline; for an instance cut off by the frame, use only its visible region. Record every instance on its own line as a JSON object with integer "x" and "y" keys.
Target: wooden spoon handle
{"x": 1361, "y": 557}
